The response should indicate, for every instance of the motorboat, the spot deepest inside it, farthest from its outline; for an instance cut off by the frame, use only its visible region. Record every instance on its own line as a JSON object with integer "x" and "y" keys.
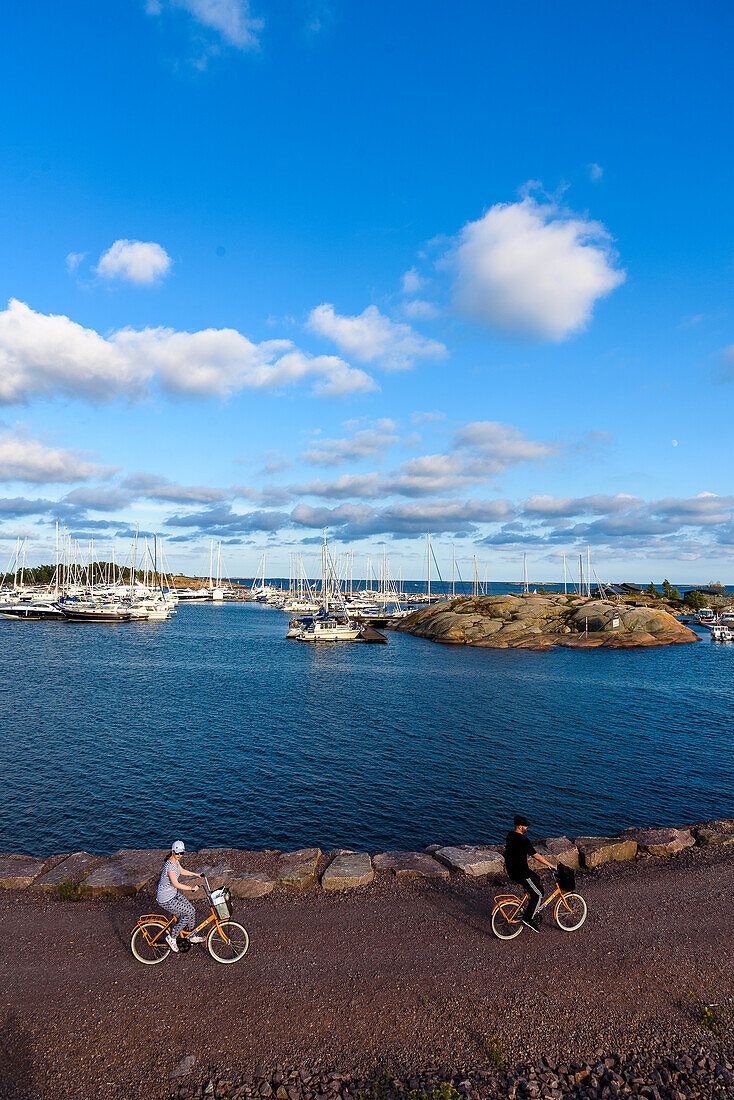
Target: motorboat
{"x": 329, "y": 629}
{"x": 90, "y": 611}
{"x": 32, "y": 609}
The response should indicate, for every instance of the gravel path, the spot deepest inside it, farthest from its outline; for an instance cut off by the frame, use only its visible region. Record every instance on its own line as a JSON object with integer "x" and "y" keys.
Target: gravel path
{"x": 388, "y": 975}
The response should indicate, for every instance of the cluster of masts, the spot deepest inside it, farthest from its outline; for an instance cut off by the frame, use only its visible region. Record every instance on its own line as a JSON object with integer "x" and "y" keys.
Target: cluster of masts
{"x": 85, "y": 590}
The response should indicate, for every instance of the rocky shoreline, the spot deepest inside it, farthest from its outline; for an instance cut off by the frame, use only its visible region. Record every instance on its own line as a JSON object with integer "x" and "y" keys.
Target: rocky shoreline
{"x": 255, "y": 874}
{"x": 661, "y": 1075}
{"x": 541, "y": 622}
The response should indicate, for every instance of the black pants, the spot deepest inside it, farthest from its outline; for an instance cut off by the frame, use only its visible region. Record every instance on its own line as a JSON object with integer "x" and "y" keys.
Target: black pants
{"x": 531, "y": 886}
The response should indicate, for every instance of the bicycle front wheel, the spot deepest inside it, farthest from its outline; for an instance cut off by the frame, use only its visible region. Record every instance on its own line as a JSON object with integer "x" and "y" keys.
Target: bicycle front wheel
{"x": 142, "y": 947}
{"x": 506, "y": 920}
{"x": 228, "y": 942}
{"x": 570, "y": 912}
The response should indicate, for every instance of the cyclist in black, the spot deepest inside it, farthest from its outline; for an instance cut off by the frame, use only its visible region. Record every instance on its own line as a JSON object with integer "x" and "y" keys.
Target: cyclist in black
{"x": 517, "y": 850}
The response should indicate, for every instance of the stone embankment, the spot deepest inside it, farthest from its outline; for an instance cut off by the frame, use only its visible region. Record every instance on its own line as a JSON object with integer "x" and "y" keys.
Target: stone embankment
{"x": 667, "y": 1075}
{"x": 254, "y": 874}
{"x": 542, "y": 622}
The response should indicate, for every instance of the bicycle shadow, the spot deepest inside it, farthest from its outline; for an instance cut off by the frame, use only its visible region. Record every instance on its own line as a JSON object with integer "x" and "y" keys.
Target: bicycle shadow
{"x": 467, "y": 905}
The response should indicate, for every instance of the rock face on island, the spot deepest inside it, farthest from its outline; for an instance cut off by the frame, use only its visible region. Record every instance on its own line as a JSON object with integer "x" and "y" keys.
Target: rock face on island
{"x": 540, "y": 622}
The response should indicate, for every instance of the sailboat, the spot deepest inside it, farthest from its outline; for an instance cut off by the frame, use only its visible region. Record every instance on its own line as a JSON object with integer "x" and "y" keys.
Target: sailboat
{"x": 327, "y": 626}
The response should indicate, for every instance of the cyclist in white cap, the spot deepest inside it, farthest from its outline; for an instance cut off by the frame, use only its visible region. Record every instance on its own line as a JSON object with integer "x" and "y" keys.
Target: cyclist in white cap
{"x": 171, "y": 898}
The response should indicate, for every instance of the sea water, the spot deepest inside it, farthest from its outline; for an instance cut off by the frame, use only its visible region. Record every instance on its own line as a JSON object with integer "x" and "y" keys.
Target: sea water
{"x": 214, "y": 728}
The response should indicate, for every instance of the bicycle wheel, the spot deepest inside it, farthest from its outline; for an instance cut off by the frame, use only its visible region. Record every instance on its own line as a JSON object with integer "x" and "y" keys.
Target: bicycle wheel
{"x": 228, "y": 943}
{"x": 145, "y": 951}
{"x": 570, "y": 912}
{"x": 506, "y": 920}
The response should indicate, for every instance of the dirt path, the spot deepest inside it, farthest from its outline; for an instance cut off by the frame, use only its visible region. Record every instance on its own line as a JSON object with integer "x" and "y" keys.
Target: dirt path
{"x": 391, "y": 975}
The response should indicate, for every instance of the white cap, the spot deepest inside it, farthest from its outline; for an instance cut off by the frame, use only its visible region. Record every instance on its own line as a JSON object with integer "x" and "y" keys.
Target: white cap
{"x": 177, "y": 847}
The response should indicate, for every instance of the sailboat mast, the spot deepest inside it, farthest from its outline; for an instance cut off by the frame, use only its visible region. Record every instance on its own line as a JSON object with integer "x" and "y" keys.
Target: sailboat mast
{"x": 428, "y": 548}
{"x": 324, "y": 577}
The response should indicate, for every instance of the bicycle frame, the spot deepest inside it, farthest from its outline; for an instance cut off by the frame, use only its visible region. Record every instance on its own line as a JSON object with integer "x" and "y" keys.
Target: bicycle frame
{"x": 174, "y": 920}
{"x": 500, "y": 899}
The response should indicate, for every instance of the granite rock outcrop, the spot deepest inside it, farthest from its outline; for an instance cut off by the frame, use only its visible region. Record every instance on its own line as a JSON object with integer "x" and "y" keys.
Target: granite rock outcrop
{"x": 540, "y": 622}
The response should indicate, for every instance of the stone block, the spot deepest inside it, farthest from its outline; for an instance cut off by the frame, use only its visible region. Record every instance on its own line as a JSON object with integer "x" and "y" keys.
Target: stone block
{"x": 661, "y": 842}
{"x": 348, "y": 870}
{"x": 474, "y": 862}
{"x": 297, "y": 870}
{"x": 595, "y": 850}
{"x": 256, "y": 885}
{"x": 125, "y": 872}
{"x": 72, "y": 869}
{"x": 18, "y": 872}
{"x": 409, "y": 865}
{"x": 556, "y": 849}
{"x": 714, "y": 832}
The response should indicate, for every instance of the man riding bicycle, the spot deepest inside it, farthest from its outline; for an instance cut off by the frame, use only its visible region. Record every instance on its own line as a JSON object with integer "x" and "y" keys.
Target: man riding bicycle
{"x": 517, "y": 850}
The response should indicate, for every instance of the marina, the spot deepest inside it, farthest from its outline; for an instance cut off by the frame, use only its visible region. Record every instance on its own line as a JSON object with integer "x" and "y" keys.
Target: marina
{"x": 291, "y": 744}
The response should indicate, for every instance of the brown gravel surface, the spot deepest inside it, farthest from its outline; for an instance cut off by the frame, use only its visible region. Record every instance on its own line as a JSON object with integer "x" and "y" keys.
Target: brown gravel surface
{"x": 387, "y": 975}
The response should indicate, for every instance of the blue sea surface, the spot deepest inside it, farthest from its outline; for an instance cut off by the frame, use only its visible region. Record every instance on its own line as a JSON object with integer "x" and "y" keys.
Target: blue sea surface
{"x": 213, "y": 727}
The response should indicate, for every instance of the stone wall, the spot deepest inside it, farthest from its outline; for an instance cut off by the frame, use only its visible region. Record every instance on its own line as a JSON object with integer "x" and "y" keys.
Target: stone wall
{"x": 253, "y": 874}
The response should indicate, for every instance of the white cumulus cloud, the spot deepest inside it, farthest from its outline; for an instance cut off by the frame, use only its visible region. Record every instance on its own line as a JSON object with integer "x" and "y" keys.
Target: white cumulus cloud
{"x": 139, "y": 262}
{"x": 48, "y": 355}
{"x": 371, "y": 337}
{"x": 532, "y": 269}
{"x": 24, "y": 458}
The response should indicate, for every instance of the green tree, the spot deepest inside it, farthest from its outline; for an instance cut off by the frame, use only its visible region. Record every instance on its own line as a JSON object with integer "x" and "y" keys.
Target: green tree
{"x": 652, "y": 591}
{"x": 675, "y": 595}
{"x": 695, "y": 600}
{"x": 667, "y": 589}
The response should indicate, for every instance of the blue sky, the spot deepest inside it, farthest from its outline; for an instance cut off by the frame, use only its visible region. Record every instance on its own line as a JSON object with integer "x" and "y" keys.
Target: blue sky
{"x": 382, "y": 268}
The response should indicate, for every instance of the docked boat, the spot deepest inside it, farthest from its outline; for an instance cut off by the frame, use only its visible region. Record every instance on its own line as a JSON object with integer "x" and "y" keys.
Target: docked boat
{"x": 32, "y": 609}
{"x": 329, "y": 625}
{"x": 329, "y": 629}
{"x": 89, "y": 611}
{"x": 721, "y": 633}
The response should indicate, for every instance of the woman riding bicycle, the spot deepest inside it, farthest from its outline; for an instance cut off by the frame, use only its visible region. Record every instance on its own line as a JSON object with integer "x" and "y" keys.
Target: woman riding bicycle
{"x": 171, "y": 898}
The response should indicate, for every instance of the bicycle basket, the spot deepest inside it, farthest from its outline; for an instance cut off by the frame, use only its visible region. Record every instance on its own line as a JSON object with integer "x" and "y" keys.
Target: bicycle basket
{"x": 221, "y": 901}
{"x": 566, "y": 877}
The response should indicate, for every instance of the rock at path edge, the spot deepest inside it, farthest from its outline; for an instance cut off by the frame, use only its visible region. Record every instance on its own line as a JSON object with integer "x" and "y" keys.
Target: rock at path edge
{"x": 297, "y": 870}
{"x": 125, "y": 872}
{"x": 409, "y": 865}
{"x": 595, "y": 850}
{"x": 720, "y": 831}
{"x": 18, "y": 872}
{"x": 661, "y": 842}
{"x": 348, "y": 870}
{"x": 556, "y": 849}
{"x": 255, "y": 885}
{"x": 73, "y": 870}
{"x": 474, "y": 862}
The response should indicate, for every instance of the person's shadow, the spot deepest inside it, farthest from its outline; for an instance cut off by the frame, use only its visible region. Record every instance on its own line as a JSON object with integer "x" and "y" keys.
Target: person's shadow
{"x": 16, "y": 1060}
{"x": 465, "y": 902}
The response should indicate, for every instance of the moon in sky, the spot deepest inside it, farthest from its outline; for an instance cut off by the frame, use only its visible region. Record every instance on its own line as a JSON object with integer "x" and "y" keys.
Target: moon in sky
{"x": 675, "y": 442}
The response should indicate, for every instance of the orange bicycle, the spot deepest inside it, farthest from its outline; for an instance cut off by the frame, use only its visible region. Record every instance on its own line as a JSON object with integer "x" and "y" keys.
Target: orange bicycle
{"x": 570, "y": 911}
{"x": 227, "y": 941}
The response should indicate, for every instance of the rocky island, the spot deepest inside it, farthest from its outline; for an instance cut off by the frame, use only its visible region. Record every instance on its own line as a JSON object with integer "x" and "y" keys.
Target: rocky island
{"x": 540, "y": 622}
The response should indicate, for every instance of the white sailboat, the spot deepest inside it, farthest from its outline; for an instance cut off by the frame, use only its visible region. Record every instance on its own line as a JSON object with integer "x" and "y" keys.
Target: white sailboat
{"x": 327, "y": 626}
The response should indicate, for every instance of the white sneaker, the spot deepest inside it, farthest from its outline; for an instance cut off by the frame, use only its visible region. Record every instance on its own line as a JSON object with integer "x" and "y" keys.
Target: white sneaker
{"x": 172, "y": 943}
{"x": 196, "y": 939}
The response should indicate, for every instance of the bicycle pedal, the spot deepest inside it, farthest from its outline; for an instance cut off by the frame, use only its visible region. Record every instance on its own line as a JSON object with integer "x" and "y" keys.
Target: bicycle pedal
{"x": 183, "y": 945}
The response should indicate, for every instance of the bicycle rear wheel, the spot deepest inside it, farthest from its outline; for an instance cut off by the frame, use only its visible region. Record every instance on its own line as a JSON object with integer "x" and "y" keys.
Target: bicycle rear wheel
{"x": 227, "y": 943}
{"x": 141, "y": 946}
{"x": 506, "y": 920}
{"x": 570, "y": 912}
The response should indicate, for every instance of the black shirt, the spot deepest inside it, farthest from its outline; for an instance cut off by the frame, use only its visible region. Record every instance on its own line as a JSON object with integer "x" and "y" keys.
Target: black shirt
{"x": 517, "y": 850}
